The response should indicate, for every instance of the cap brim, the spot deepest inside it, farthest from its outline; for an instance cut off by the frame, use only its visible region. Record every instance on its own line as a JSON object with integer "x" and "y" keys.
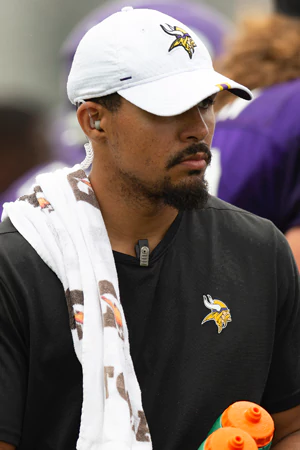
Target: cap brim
{"x": 178, "y": 93}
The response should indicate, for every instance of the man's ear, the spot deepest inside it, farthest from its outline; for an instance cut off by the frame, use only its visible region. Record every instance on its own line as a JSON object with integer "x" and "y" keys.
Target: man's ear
{"x": 89, "y": 117}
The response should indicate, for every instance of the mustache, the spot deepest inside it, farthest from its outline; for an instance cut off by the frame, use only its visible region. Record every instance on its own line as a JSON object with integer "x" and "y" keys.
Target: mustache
{"x": 189, "y": 151}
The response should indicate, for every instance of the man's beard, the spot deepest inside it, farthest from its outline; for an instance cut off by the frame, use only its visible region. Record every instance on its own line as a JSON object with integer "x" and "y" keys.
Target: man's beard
{"x": 186, "y": 195}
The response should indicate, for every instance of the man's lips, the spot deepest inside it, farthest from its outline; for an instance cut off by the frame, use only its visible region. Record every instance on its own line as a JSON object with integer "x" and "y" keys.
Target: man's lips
{"x": 197, "y": 161}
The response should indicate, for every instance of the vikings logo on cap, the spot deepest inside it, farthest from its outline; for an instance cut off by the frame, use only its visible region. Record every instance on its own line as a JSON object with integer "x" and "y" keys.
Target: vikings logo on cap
{"x": 220, "y": 313}
{"x": 183, "y": 39}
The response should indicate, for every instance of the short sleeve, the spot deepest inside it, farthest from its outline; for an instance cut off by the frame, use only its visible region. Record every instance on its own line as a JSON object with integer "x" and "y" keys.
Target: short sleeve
{"x": 13, "y": 366}
{"x": 283, "y": 386}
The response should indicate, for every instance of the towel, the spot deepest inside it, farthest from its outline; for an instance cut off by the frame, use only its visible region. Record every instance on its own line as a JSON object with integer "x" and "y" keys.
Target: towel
{"x": 62, "y": 221}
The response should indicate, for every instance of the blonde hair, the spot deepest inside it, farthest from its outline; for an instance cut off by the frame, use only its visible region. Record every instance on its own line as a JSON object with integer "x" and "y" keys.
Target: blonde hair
{"x": 265, "y": 52}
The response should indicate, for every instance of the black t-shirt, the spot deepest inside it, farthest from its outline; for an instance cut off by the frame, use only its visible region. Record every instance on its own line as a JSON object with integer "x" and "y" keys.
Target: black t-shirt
{"x": 188, "y": 371}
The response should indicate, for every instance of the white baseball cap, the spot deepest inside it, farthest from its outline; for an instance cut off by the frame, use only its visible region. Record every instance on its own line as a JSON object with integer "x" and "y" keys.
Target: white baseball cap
{"x": 150, "y": 59}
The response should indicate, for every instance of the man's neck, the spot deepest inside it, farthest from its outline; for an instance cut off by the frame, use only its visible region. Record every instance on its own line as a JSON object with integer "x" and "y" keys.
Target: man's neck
{"x": 127, "y": 222}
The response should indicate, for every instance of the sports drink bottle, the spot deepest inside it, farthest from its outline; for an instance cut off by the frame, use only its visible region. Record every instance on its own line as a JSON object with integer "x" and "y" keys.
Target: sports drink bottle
{"x": 229, "y": 438}
{"x": 251, "y": 418}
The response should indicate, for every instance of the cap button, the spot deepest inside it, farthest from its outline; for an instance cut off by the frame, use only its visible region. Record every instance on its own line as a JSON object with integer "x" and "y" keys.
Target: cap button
{"x": 127, "y": 8}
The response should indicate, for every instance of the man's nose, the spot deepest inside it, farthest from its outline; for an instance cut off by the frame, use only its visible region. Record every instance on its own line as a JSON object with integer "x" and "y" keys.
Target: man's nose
{"x": 194, "y": 127}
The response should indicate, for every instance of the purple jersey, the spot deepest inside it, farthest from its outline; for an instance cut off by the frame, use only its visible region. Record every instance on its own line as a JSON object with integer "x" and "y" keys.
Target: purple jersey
{"x": 256, "y": 148}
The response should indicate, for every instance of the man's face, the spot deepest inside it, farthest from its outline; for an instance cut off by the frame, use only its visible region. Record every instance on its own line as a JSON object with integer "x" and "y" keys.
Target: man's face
{"x": 161, "y": 158}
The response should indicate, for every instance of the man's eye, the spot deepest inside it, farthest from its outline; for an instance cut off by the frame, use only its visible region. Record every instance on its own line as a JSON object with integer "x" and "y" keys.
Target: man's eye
{"x": 206, "y": 103}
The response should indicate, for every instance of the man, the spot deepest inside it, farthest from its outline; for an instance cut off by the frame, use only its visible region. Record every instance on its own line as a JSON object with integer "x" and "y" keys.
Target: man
{"x": 206, "y": 294}
{"x": 257, "y": 145}
{"x": 67, "y": 138}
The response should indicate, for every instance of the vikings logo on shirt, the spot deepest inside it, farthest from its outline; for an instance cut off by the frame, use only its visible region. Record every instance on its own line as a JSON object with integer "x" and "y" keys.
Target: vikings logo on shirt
{"x": 220, "y": 313}
{"x": 183, "y": 39}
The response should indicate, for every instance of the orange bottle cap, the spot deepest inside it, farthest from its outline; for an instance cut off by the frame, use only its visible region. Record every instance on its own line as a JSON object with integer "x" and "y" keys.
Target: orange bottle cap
{"x": 230, "y": 438}
{"x": 252, "y": 418}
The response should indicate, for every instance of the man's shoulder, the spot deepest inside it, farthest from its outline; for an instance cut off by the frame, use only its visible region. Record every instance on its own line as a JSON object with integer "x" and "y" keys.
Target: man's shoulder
{"x": 242, "y": 236}
{"x": 10, "y": 238}
{"x": 25, "y": 279}
{"x": 217, "y": 205}
{"x": 11, "y": 241}
{"x": 17, "y": 256}
{"x": 6, "y": 227}
{"x": 239, "y": 222}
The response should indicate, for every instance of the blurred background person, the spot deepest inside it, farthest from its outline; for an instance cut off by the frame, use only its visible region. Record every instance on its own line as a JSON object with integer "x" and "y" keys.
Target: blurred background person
{"x": 256, "y": 147}
{"x": 24, "y": 147}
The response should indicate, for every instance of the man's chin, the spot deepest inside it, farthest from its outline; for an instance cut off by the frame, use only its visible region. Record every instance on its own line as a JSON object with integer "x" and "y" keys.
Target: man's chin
{"x": 187, "y": 197}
